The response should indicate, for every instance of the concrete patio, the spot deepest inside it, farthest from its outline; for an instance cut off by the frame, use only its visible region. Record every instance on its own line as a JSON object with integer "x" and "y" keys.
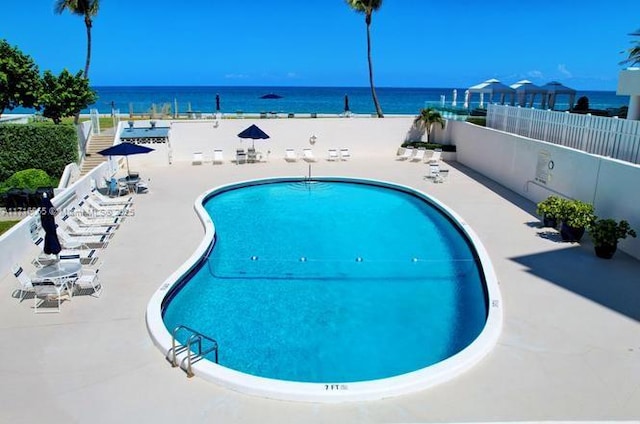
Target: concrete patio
{"x": 570, "y": 348}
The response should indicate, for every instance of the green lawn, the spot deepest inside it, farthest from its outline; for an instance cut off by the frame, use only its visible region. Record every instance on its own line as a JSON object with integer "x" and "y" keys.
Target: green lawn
{"x": 5, "y": 225}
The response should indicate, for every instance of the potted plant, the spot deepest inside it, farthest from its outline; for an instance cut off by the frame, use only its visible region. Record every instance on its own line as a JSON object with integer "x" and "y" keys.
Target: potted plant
{"x": 550, "y": 209}
{"x": 576, "y": 216}
{"x": 605, "y": 234}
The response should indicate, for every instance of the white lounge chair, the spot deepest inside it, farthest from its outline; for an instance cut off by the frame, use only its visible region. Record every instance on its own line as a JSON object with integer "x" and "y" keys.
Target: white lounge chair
{"x": 436, "y": 156}
{"x": 418, "y": 156}
{"x": 82, "y": 242}
{"x": 333, "y": 155}
{"x": 290, "y": 155}
{"x": 87, "y": 256}
{"x": 307, "y": 155}
{"x": 108, "y": 210}
{"x": 105, "y": 200}
{"x": 407, "y": 154}
{"x": 197, "y": 158}
{"x": 218, "y": 157}
{"x": 76, "y": 230}
{"x": 88, "y": 221}
{"x": 345, "y": 154}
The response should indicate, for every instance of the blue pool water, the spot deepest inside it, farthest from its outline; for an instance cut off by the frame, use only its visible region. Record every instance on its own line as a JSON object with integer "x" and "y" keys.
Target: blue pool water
{"x": 332, "y": 282}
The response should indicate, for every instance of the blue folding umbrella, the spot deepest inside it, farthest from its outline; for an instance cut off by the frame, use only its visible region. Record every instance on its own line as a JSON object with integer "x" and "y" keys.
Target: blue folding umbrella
{"x": 125, "y": 149}
{"x": 254, "y": 133}
{"x": 48, "y": 220}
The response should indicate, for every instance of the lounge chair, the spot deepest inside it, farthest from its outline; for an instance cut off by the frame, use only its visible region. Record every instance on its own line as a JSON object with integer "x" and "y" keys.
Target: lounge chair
{"x": 333, "y": 155}
{"x": 307, "y": 155}
{"x": 102, "y": 199}
{"x": 118, "y": 209}
{"x": 76, "y": 230}
{"x": 82, "y": 242}
{"x": 345, "y": 154}
{"x": 290, "y": 155}
{"x": 197, "y": 158}
{"x": 418, "y": 156}
{"x": 218, "y": 157}
{"x": 25, "y": 284}
{"x": 105, "y": 200}
{"x": 436, "y": 156}
{"x": 87, "y": 256}
{"x": 407, "y": 154}
{"x": 86, "y": 221}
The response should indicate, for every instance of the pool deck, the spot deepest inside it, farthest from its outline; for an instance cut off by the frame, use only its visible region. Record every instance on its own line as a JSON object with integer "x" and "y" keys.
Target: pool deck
{"x": 569, "y": 350}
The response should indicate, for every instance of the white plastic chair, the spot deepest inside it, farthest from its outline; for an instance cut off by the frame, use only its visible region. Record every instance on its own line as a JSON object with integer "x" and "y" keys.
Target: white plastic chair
{"x": 418, "y": 156}
{"x": 290, "y": 155}
{"x": 46, "y": 291}
{"x": 24, "y": 281}
{"x": 345, "y": 154}
{"x": 197, "y": 158}
{"x": 89, "y": 280}
{"x": 407, "y": 154}
{"x": 307, "y": 155}
{"x": 218, "y": 157}
{"x": 436, "y": 156}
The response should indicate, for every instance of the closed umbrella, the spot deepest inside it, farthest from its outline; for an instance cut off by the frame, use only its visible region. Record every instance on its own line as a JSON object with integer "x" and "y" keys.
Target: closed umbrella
{"x": 254, "y": 133}
{"x": 217, "y": 103}
{"x": 48, "y": 220}
{"x": 125, "y": 149}
{"x": 346, "y": 103}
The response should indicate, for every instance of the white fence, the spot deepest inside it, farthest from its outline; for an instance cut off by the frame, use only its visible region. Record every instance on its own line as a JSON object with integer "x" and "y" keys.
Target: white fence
{"x": 612, "y": 137}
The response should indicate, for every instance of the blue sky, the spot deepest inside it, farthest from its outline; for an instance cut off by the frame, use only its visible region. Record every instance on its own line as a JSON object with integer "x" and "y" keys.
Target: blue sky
{"x": 416, "y": 43}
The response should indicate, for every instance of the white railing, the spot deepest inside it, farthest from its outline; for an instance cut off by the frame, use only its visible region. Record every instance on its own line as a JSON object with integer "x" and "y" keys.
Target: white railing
{"x": 599, "y": 135}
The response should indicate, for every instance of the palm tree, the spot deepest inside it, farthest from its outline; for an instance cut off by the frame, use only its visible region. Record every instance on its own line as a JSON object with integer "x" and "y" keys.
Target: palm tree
{"x": 87, "y": 9}
{"x": 368, "y": 7}
{"x": 427, "y": 118}
{"x": 634, "y": 52}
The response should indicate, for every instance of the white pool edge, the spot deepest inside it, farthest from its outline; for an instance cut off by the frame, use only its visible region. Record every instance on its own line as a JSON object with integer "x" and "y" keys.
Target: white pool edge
{"x": 332, "y": 392}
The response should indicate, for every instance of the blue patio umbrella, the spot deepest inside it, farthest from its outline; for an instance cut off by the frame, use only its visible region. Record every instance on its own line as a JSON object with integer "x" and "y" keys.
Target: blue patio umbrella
{"x": 254, "y": 133}
{"x": 125, "y": 149}
{"x": 48, "y": 221}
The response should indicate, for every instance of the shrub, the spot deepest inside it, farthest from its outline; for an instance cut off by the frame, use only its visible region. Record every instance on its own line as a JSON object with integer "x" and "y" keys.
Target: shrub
{"x": 609, "y": 231}
{"x": 551, "y": 207}
{"x": 431, "y": 146}
{"x": 29, "y": 178}
{"x": 577, "y": 214}
{"x": 39, "y": 145}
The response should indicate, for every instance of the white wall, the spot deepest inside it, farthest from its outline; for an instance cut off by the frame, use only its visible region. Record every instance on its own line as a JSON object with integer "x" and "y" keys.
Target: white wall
{"x": 512, "y": 160}
{"x": 363, "y": 136}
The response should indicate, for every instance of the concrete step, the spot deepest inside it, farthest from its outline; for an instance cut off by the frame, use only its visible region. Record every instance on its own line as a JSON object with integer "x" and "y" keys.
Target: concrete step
{"x": 92, "y": 158}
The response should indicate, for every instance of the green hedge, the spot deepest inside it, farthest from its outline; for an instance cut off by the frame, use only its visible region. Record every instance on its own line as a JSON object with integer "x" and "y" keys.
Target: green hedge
{"x": 430, "y": 146}
{"x": 40, "y": 145}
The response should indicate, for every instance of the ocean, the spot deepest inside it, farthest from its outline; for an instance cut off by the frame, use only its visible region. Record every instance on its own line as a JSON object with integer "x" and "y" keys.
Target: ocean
{"x": 321, "y": 100}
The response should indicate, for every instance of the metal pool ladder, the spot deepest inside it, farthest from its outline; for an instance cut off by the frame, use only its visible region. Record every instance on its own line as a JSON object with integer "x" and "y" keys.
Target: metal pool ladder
{"x": 195, "y": 340}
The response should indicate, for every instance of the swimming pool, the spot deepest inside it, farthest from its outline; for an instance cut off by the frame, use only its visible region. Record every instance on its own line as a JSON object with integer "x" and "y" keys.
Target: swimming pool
{"x": 333, "y": 290}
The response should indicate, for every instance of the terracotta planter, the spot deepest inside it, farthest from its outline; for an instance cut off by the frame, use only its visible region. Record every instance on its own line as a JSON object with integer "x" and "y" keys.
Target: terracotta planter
{"x": 605, "y": 251}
